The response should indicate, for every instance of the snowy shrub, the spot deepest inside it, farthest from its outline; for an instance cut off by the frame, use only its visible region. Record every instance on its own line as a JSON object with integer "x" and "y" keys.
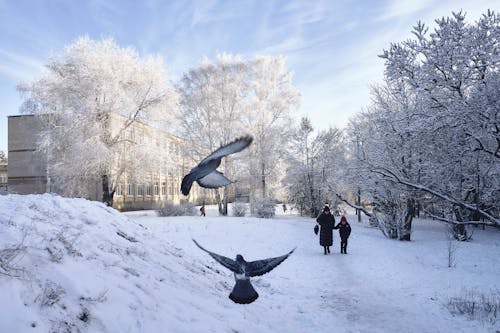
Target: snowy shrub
{"x": 51, "y": 294}
{"x": 263, "y": 207}
{"x": 171, "y": 209}
{"x": 475, "y": 305}
{"x": 10, "y": 255}
{"x": 239, "y": 209}
{"x": 393, "y": 217}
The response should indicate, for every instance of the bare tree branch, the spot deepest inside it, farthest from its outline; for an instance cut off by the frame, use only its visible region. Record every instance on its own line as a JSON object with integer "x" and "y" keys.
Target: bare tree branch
{"x": 341, "y": 198}
{"x": 391, "y": 175}
{"x": 443, "y": 219}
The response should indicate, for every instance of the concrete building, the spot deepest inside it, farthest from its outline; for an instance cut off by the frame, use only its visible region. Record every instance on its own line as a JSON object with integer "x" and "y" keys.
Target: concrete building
{"x": 27, "y": 168}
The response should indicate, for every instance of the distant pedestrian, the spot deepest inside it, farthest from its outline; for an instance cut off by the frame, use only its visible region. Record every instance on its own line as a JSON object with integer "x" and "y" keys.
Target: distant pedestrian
{"x": 202, "y": 210}
{"x": 326, "y": 222}
{"x": 344, "y": 232}
{"x": 284, "y": 208}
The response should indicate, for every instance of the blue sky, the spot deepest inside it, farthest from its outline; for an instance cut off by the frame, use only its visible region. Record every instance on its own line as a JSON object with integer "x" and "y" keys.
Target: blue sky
{"x": 331, "y": 46}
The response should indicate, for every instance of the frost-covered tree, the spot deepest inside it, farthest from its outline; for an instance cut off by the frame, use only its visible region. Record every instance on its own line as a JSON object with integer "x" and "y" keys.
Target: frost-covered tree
{"x": 230, "y": 97}
{"x": 431, "y": 136}
{"x": 3, "y": 157}
{"x": 90, "y": 98}
{"x": 314, "y": 168}
{"x": 269, "y": 117}
{"x": 212, "y": 102}
{"x": 388, "y": 135}
{"x": 455, "y": 73}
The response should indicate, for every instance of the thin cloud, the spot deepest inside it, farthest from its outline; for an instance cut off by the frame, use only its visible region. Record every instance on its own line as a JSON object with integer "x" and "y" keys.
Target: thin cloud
{"x": 211, "y": 11}
{"x": 19, "y": 66}
{"x": 300, "y": 13}
{"x": 399, "y": 8}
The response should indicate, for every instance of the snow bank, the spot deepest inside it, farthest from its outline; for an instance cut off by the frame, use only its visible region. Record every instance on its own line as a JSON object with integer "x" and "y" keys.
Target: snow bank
{"x": 72, "y": 265}
{"x": 78, "y": 265}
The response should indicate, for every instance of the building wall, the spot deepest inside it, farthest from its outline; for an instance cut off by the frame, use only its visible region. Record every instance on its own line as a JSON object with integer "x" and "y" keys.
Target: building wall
{"x": 27, "y": 171}
{"x": 26, "y": 167}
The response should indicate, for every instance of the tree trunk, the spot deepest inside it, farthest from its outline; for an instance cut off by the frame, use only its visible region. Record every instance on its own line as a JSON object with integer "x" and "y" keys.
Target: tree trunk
{"x": 405, "y": 232}
{"x": 219, "y": 201}
{"x": 358, "y": 211}
{"x": 263, "y": 177}
{"x": 225, "y": 199}
{"x": 312, "y": 203}
{"x": 107, "y": 195}
{"x": 459, "y": 230}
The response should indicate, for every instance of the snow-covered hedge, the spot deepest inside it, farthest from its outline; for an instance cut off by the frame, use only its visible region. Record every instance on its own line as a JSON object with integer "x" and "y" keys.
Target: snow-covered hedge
{"x": 239, "y": 209}
{"x": 171, "y": 209}
{"x": 263, "y": 207}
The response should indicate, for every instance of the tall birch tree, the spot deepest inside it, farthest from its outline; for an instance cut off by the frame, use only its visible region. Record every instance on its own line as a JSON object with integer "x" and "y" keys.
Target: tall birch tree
{"x": 89, "y": 98}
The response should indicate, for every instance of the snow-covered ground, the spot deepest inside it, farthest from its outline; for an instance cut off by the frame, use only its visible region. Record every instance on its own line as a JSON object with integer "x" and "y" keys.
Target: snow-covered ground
{"x": 72, "y": 265}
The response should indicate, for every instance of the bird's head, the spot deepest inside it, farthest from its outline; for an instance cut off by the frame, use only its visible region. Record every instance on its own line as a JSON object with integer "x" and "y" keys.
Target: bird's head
{"x": 239, "y": 258}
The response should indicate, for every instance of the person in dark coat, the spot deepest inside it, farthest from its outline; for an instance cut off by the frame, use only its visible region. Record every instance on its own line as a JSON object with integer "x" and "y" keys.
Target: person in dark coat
{"x": 326, "y": 222}
{"x": 344, "y": 232}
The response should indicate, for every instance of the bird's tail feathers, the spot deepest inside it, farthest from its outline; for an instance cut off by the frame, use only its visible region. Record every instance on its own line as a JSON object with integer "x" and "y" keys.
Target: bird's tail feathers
{"x": 186, "y": 184}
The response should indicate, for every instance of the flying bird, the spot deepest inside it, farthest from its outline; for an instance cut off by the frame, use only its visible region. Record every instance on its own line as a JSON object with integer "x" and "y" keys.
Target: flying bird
{"x": 243, "y": 291}
{"x": 205, "y": 173}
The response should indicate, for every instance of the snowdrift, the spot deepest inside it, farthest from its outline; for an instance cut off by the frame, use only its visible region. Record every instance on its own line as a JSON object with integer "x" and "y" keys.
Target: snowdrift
{"x": 72, "y": 265}
{"x": 69, "y": 265}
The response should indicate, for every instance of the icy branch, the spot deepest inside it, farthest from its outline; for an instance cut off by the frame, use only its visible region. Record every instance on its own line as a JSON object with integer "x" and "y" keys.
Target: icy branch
{"x": 391, "y": 175}
{"x": 341, "y": 198}
{"x": 442, "y": 219}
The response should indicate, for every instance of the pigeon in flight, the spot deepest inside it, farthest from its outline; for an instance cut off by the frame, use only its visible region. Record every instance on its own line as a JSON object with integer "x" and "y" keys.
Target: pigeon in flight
{"x": 243, "y": 291}
{"x": 205, "y": 172}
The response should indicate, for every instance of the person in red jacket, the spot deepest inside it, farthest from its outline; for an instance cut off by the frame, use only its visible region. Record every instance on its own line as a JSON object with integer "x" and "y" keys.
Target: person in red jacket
{"x": 344, "y": 231}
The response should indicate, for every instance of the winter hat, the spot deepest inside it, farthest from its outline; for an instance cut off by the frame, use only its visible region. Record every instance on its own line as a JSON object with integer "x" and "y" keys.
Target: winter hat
{"x": 343, "y": 218}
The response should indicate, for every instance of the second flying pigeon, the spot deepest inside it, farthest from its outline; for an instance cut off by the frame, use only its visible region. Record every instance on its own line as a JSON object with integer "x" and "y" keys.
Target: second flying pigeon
{"x": 205, "y": 173}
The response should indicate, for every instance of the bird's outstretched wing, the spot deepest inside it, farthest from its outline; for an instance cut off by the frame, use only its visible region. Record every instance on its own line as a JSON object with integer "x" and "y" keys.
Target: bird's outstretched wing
{"x": 224, "y": 261}
{"x": 214, "y": 179}
{"x": 261, "y": 267}
{"x": 231, "y": 148}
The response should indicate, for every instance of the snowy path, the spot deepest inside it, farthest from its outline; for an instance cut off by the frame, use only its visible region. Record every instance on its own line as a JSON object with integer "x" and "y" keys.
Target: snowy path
{"x": 380, "y": 286}
{"x": 84, "y": 267}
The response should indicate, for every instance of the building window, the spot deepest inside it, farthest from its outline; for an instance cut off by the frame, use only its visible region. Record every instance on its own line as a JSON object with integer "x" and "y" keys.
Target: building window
{"x": 148, "y": 189}
{"x": 156, "y": 191}
{"x": 119, "y": 191}
{"x": 129, "y": 135}
{"x": 130, "y": 189}
{"x": 140, "y": 190}
{"x": 163, "y": 188}
{"x": 171, "y": 188}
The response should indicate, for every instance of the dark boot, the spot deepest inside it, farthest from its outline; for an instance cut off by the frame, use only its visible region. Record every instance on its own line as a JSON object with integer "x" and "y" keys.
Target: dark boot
{"x": 328, "y": 249}
{"x": 343, "y": 247}
{"x": 324, "y": 248}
